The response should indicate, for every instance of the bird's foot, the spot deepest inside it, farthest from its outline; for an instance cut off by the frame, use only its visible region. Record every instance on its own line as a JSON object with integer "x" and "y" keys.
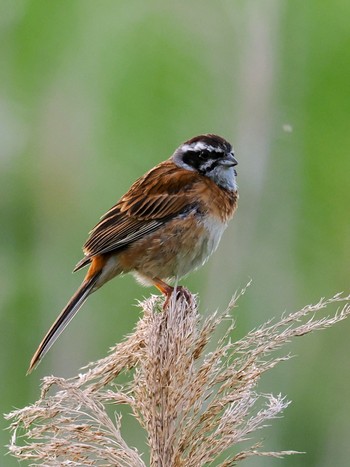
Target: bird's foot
{"x": 168, "y": 290}
{"x": 181, "y": 293}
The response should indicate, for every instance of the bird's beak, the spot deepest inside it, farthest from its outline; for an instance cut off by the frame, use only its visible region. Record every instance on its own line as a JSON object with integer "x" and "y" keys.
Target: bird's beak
{"x": 229, "y": 161}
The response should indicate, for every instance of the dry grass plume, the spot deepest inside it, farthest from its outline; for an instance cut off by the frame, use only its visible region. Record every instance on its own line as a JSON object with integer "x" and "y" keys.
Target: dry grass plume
{"x": 193, "y": 404}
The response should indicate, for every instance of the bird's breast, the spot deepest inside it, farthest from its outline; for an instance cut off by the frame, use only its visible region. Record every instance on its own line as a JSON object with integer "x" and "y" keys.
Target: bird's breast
{"x": 198, "y": 243}
{"x": 176, "y": 249}
{"x": 214, "y": 228}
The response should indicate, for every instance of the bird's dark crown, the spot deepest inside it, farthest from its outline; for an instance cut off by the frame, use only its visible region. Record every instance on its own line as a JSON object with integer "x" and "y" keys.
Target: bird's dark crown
{"x": 213, "y": 143}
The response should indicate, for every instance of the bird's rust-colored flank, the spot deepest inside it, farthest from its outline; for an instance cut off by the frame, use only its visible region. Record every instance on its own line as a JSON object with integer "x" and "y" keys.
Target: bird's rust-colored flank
{"x": 167, "y": 224}
{"x": 97, "y": 265}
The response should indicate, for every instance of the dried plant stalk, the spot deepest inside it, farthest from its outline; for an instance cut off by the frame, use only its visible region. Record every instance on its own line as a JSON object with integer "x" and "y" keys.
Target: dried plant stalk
{"x": 193, "y": 404}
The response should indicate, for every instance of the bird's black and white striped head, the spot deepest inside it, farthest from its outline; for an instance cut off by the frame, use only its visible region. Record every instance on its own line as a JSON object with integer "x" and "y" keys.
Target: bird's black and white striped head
{"x": 210, "y": 155}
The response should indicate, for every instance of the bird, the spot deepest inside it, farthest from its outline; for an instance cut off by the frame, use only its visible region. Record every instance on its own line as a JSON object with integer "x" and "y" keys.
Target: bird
{"x": 167, "y": 224}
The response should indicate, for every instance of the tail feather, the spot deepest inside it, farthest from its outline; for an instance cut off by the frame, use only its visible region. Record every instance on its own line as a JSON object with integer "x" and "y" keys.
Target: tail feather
{"x": 66, "y": 315}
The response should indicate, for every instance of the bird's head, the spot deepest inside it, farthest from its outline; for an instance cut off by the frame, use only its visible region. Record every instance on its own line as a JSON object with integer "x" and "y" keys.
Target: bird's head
{"x": 211, "y": 156}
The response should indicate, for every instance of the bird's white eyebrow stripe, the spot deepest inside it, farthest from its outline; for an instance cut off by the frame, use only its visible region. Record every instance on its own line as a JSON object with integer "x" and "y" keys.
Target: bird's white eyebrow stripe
{"x": 199, "y": 146}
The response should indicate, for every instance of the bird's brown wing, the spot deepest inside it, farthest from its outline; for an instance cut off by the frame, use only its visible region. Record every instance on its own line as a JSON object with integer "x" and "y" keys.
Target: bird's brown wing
{"x": 160, "y": 195}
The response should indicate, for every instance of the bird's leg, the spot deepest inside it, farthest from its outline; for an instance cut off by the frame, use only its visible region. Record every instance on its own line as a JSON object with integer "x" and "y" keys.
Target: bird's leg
{"x": 163, "y": 287}
{"x": 167, "y": 290}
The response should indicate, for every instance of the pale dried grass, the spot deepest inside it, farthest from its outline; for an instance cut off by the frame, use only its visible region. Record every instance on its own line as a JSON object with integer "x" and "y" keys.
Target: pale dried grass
{"x": 193, "y": 404}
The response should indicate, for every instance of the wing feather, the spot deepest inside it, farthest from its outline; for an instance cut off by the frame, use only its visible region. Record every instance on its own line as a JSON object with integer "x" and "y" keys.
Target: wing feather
{"x": 155, "y": 198}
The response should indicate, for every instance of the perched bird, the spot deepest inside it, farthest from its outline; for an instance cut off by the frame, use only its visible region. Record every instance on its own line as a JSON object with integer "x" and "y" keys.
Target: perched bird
{"x": 167, "y": 224}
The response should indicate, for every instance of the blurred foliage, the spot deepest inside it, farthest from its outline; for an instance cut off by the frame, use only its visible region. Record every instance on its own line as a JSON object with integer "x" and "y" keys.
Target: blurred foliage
{"x": 93, "y": 94}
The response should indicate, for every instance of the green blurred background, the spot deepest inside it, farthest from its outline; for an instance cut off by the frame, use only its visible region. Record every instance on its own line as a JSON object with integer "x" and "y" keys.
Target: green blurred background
{"x": 93, "y": 94}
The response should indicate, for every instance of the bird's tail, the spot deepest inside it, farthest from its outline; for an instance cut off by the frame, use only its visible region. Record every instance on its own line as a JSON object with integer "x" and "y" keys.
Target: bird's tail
{"x": 66, "y": 315}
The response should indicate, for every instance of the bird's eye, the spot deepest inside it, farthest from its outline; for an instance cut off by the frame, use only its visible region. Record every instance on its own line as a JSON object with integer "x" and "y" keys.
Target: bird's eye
{"x": 203, "y": 155}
